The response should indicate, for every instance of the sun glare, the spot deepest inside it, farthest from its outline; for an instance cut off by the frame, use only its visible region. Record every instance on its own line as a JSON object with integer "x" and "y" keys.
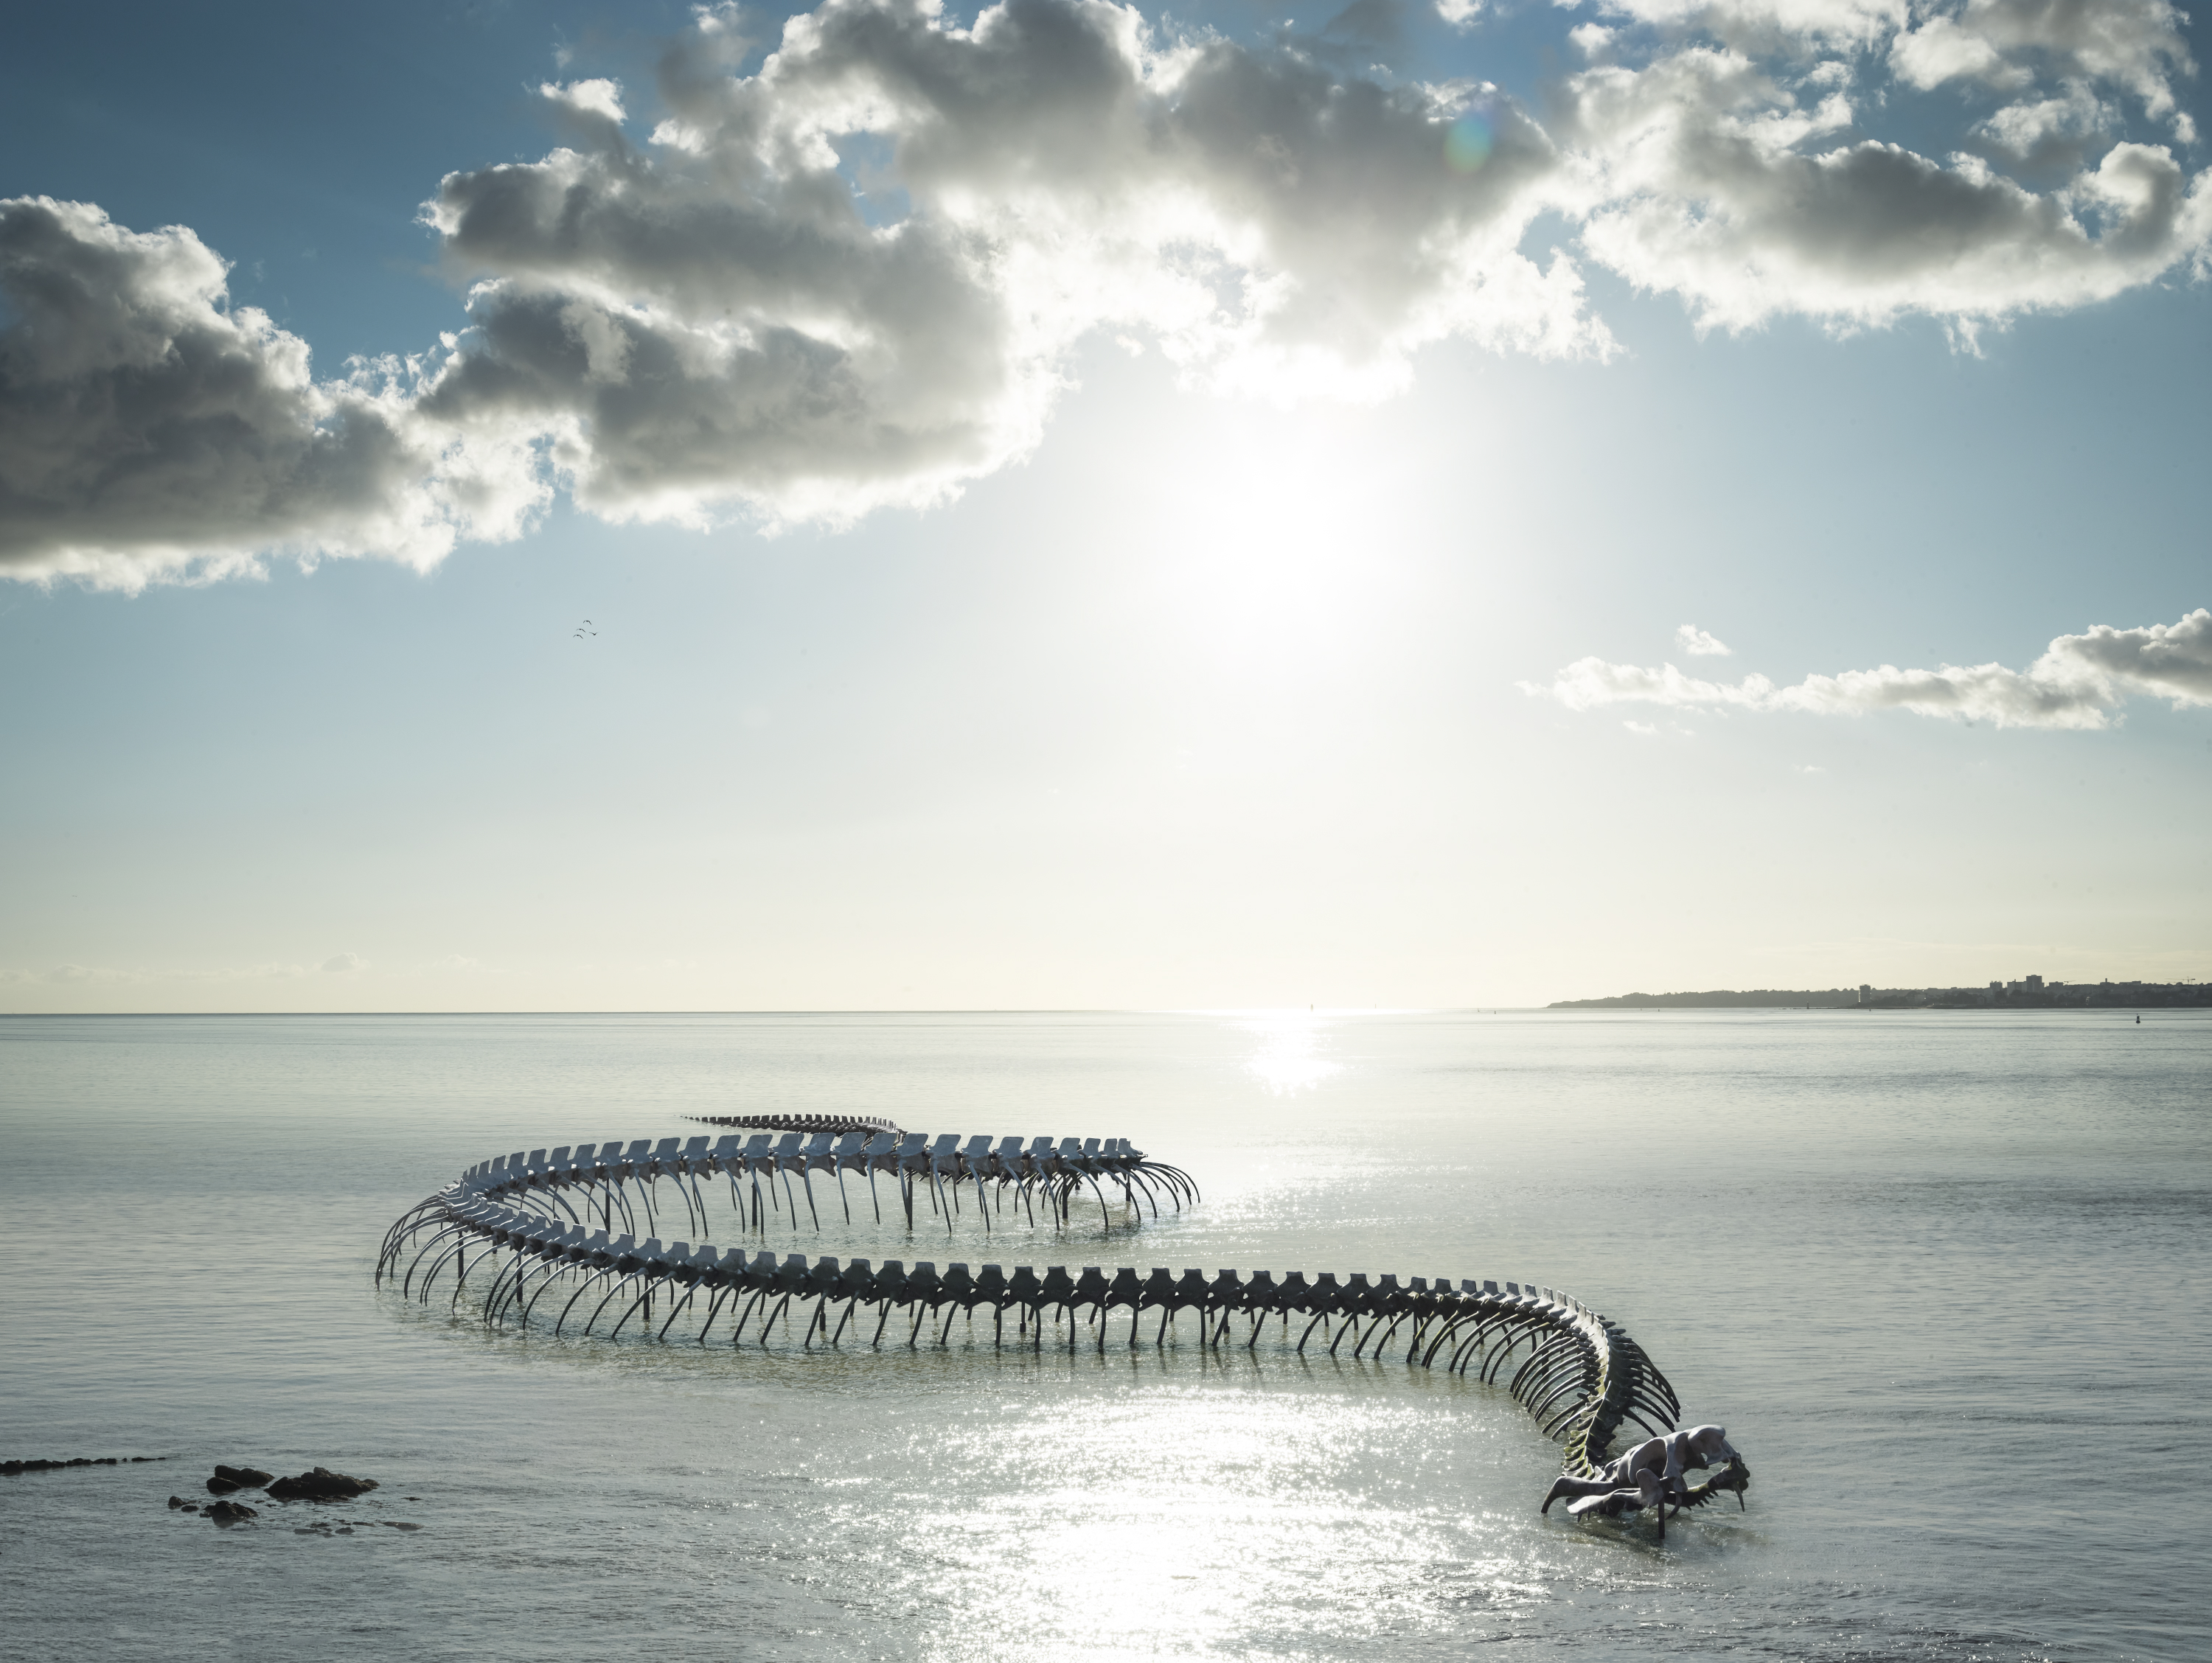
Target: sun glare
{"x": 1272, "y": 560}
{"x": 1288, "y": 1055}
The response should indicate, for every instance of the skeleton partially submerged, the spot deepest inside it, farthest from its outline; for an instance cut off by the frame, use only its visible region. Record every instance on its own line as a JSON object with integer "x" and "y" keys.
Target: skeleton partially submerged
{"x": 1655, "y": 1474}
{"x": 567, "y": 1222}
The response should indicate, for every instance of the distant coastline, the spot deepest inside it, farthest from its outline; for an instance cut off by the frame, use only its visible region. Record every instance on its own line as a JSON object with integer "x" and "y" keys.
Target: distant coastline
{"x": 2029, "y": 993}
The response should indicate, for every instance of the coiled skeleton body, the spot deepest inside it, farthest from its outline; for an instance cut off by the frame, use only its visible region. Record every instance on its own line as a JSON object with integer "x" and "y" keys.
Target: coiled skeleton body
{"x": 566, "y": 1222}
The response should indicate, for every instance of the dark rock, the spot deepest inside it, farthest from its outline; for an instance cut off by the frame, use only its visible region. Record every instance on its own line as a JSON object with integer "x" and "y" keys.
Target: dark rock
{"x": 244, "y": 1477}
{"x": 179, "y": 1501}
{"x": 232, "y": 1513}
{"x": 220, "y": 1486}
{"x": 395, "y": 1525}
{"x": 10, "y": 1469}
{"x": 319, "y": 1485}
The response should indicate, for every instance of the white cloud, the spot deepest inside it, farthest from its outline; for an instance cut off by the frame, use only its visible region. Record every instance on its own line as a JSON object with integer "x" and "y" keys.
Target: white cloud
{"x": 2033, "y": 124}
{"x": 594, "y": 100}
{"x": 344, "y": 961}
{"x": 1774, "y": 25}
{"x": 2078, "y": 682}
{"x": 2136, "y": 46}
{"x": 2171, "y": 661}
{"x": 733, "y": 318}
{"x": 1701, "y": 644}
{"x": 1592, "y": 40}
{"x": 1709, "y": 180}
{"x": 1587, "y": 684}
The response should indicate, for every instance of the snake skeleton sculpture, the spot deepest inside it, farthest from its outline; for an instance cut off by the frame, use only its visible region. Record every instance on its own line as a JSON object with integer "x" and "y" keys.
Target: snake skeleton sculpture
{"x": 558, "y": 1233}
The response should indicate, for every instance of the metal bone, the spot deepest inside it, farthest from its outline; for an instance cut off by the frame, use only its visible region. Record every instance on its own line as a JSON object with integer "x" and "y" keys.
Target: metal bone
{"x": 1582, "y": 1379}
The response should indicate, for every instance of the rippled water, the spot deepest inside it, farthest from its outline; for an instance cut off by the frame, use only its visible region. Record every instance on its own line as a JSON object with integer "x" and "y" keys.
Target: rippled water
{"x": 1942, "y": 1275}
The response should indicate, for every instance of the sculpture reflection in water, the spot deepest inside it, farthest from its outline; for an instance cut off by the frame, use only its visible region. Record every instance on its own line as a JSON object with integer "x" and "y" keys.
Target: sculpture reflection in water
{"x": 566, "y": 1223}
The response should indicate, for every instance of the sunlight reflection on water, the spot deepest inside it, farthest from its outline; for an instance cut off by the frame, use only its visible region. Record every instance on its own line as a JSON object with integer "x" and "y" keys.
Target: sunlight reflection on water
{"x": 1884, "y": 1249}
{"x": 1289, "y": 1055}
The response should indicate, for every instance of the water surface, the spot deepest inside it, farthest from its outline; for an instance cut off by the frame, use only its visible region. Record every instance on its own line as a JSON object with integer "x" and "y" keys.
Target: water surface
{"x": 1942, "y": 1275}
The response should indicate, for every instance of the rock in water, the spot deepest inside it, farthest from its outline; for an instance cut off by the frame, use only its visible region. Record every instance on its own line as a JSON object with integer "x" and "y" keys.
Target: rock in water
{"x": 244, "y": 1477}
{"x": 320, "y": 1485}
{"x": 220, "y": 1485}
{"x": 11, "y": 1469}
{"x": 179, "y": 1501}
{"x": 231, "y": 1513}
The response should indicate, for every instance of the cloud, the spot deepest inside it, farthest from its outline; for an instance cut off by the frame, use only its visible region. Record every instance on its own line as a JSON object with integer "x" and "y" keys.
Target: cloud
{"x": 2078, "y": 682}
{"x": 1698, "y": 644}
{"x": 855, "y": 277}
{"x": 721, "y": 320}
{"x": 2136, "y": 46}
{"x": 1708, "y": 179}
{"x": 1783, "y": 26}
{"x": 344, "y": 961}
{"x": 1592, "y": 40}
{"x": 597, "y": 102}
{"x": 2043, "y": 130}
{"x": 146, "y": 429}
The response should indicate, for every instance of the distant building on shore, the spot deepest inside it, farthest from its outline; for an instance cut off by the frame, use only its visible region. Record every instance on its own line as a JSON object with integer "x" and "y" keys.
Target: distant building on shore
{"x": 2029, "y": 993}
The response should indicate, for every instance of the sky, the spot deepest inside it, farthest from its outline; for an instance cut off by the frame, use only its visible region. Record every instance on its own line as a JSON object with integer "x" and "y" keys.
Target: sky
{"x": 1068, "y": 506}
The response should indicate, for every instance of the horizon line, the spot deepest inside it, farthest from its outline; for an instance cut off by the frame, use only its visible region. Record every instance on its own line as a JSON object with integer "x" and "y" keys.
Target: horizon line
{"x": 852, "y": 1011}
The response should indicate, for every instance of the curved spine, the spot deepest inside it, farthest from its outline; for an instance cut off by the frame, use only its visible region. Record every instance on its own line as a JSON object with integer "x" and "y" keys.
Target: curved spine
{"x": 1582, "y": 1379}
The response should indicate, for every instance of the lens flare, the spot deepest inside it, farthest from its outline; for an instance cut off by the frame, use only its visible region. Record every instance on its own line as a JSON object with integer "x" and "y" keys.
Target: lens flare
{"x": 1466, "y": 142}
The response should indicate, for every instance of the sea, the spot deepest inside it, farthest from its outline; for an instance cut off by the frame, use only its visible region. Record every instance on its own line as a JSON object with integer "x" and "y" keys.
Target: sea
{"x": 1942, "y": 1275}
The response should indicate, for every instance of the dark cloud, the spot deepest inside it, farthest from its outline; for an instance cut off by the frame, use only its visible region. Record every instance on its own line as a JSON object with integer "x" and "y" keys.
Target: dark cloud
{"x": 135, "y": 413}
{"x": 145, "y": 427}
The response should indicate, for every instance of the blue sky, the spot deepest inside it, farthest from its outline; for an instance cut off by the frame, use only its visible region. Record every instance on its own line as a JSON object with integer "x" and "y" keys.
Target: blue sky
{"x": 1062, "y": 643}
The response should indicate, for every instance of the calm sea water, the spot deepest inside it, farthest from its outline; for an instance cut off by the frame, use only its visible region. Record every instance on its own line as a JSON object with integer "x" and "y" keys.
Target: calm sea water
{"x": 1943, "y": 1278}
